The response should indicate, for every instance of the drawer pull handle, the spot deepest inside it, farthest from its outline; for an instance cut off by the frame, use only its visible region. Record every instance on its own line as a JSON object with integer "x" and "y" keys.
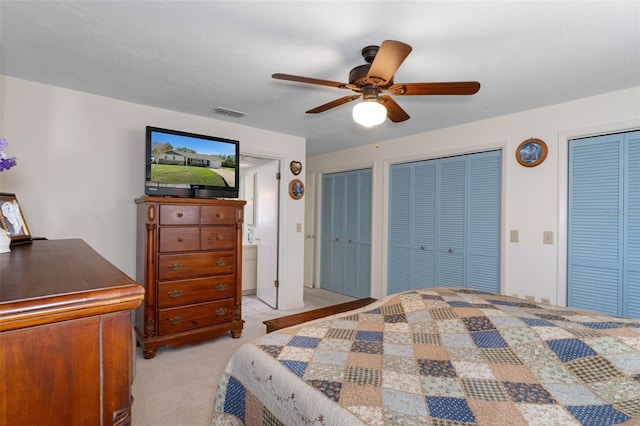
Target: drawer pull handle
{"x": 221, "y": 262}
{"x": 218, "y": 215}
{"x": 179, "y": 214}
{"x": 180, "y": 239}
{"x": 218, "y": 237}
{"x": 221, "y": 287}
{"x": 175, "y": 266}
{"x": 175, "y": 293}
{"x": 175, "y": 320}
{"x": 221, "y": 311}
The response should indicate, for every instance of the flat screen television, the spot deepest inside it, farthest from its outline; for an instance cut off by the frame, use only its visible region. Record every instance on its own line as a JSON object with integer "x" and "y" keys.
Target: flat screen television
{"x": 182, "y": 164}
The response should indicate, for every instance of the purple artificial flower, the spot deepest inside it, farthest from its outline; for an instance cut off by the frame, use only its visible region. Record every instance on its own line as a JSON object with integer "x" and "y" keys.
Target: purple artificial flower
{"x": 5, "y": 162}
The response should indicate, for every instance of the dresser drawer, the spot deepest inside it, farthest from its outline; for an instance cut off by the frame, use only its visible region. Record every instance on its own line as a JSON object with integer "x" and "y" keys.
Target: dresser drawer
{"x": 186, "y": 292}
{"x": 179, "y": 215}
{"x": 218, "y": 237}
{"x": 218, "y": 215}
{"x": 186, "y": 238}
{"x": 172, "y": 320}
{"x": 176, "y": 266}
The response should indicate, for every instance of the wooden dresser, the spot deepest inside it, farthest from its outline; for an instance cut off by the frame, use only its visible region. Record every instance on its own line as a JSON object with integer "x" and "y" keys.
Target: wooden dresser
{"x": 67, "y": 351}
{"x": 190, "y": 263}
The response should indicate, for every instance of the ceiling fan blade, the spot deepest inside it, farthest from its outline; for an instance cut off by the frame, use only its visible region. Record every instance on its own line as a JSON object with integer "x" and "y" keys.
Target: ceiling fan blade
{"x": 394, "y": 112}
{"x": 309, "y": 80}
{"x": 449, "y": 88}
{"x": 333, "y": 104}
{"x": 387, "y": 61}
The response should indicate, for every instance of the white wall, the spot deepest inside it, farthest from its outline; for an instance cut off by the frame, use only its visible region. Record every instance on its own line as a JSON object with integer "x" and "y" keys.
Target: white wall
{"x": 81, "y": 165}
{"x": 534, "y": 199}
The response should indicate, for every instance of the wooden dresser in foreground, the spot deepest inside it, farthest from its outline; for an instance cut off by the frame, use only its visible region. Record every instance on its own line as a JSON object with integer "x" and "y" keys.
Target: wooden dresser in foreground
{"x": 67, "y": 351}
{"x": 190, "y": 263}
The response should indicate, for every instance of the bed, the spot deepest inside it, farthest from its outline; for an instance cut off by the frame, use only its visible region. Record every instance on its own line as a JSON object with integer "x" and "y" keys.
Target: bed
{"x": 443, "y": 356}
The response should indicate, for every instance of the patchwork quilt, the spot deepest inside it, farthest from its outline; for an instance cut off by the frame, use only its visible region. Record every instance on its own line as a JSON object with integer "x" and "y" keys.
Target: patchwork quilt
{"x": 443, "y": 356}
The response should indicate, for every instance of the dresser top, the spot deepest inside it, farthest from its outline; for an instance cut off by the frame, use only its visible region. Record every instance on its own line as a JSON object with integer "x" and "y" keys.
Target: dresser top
{"x": 63, "y": 278}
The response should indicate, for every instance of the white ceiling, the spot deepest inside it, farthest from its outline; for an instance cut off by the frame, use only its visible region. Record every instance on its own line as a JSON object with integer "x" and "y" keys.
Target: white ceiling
{"x": 195, "y": 56}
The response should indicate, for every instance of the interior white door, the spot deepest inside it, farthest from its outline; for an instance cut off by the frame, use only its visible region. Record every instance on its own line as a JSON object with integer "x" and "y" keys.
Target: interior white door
{"x": 266, "y": 232}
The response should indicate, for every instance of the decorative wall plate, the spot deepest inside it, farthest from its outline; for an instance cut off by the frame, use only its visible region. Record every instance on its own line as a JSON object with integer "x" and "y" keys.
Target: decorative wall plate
{"x": 296, "y": 167}
{"x": 296, "y": 189}
{"x": 531, "y": 152}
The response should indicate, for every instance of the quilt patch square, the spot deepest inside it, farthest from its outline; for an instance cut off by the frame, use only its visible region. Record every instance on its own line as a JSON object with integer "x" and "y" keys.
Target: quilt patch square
{"x": 600, "y": 325}
{"x": 546, "y": 415}
{"x": 404, "y": 403}
{"x": 341, "y": 333}
{"x": 234, "y": 402}
{"x": 329, "y": 389}
{"x": 272, "y": 350}
{"x": 366, "y": 347}
{"x": 363, "y": 376}
{"x": 427, "y": 339}
{"x": 442, "y": 313}
{"x": 570, "y": 349}
{"x": 486, "y": 390}
{"x": 269, "y": 419}
{"x": 460, "y": 304}
{"x": 442, "y": 386}
{"x": 436, "y": 368}
{"x": 500, "y": 356}
{"x": 319, "y": 371}
{"x": 550, "y": 317}
{"x": 575, "y": 394}
{"x": 297, "y": 367}
{"x": 394, "y": 309}
{"x": 393, "y": 318}
{"x": 530, "y": 393}
{"x": 629, "y": 408}
{"x": 584, "y": 333}
{"x": 478, "y": 323}
{"x": 304, "y": 342}
{"x": 593, "y": 369}
{"x": 537, "y": 322}
{"x": 370, "y": 336}
{"x": 488, "y": 339}
{"x": 597, "y": 415}
{"x": 455, "y": 409}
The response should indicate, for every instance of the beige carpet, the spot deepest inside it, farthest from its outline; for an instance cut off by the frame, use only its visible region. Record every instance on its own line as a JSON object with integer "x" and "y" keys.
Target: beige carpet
{"x": 177, "y": 387}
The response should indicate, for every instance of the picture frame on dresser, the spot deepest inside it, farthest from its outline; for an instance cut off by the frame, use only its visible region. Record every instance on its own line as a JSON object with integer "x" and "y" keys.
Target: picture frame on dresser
{"x": 12, "y": 219}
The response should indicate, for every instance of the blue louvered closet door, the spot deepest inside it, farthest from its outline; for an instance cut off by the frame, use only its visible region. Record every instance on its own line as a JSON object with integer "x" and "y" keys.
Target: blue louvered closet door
{"x": 604, "y": 224}
{"x": 444, "y": 223}
{"x": 345, "y": 252}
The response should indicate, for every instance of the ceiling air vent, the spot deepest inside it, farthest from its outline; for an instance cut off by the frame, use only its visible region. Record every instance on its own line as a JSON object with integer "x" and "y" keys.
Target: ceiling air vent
{"x": 228, "y": 112}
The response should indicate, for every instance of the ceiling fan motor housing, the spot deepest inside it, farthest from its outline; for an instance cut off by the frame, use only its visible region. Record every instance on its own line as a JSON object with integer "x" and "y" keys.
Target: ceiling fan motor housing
{"x": 358, "y": 76}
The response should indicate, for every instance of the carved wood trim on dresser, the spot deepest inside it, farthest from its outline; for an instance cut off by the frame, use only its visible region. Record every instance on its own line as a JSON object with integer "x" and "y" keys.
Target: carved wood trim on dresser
{"x": 189, "y": 260}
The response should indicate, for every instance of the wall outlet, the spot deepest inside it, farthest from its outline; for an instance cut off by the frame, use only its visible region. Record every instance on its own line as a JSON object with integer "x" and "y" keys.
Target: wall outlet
{"x": 530, "y": 298}
{"x": 513, "y": 236}
{"x": 547, "y": 237}
{"x": 515, "y": 295}
{"x": 545, "y": 300}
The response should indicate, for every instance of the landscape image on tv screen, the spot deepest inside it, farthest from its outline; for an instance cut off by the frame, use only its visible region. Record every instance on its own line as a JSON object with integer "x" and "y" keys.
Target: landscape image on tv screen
{"x": 183, "y": 161}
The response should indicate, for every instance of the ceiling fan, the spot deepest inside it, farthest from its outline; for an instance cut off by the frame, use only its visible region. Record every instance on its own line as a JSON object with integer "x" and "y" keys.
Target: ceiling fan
{"x": 376, "y": 76}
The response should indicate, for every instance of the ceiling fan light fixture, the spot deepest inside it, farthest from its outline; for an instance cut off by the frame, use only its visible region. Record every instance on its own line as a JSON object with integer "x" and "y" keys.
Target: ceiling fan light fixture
{"x": 369, "y": 113}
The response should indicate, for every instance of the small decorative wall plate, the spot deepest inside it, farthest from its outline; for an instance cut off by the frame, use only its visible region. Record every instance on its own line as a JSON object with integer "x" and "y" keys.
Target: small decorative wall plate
{"x": 531, "y": 152}
{"x": 296, "y": 167}
{"x": 296, "y": 189}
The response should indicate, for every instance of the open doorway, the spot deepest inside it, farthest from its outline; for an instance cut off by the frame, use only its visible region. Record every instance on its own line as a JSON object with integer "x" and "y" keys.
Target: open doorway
{"x": 259, "y": 186}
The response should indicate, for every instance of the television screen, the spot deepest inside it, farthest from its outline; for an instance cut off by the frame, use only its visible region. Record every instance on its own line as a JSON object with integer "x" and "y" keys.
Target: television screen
{"x": 185, "y": 164}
